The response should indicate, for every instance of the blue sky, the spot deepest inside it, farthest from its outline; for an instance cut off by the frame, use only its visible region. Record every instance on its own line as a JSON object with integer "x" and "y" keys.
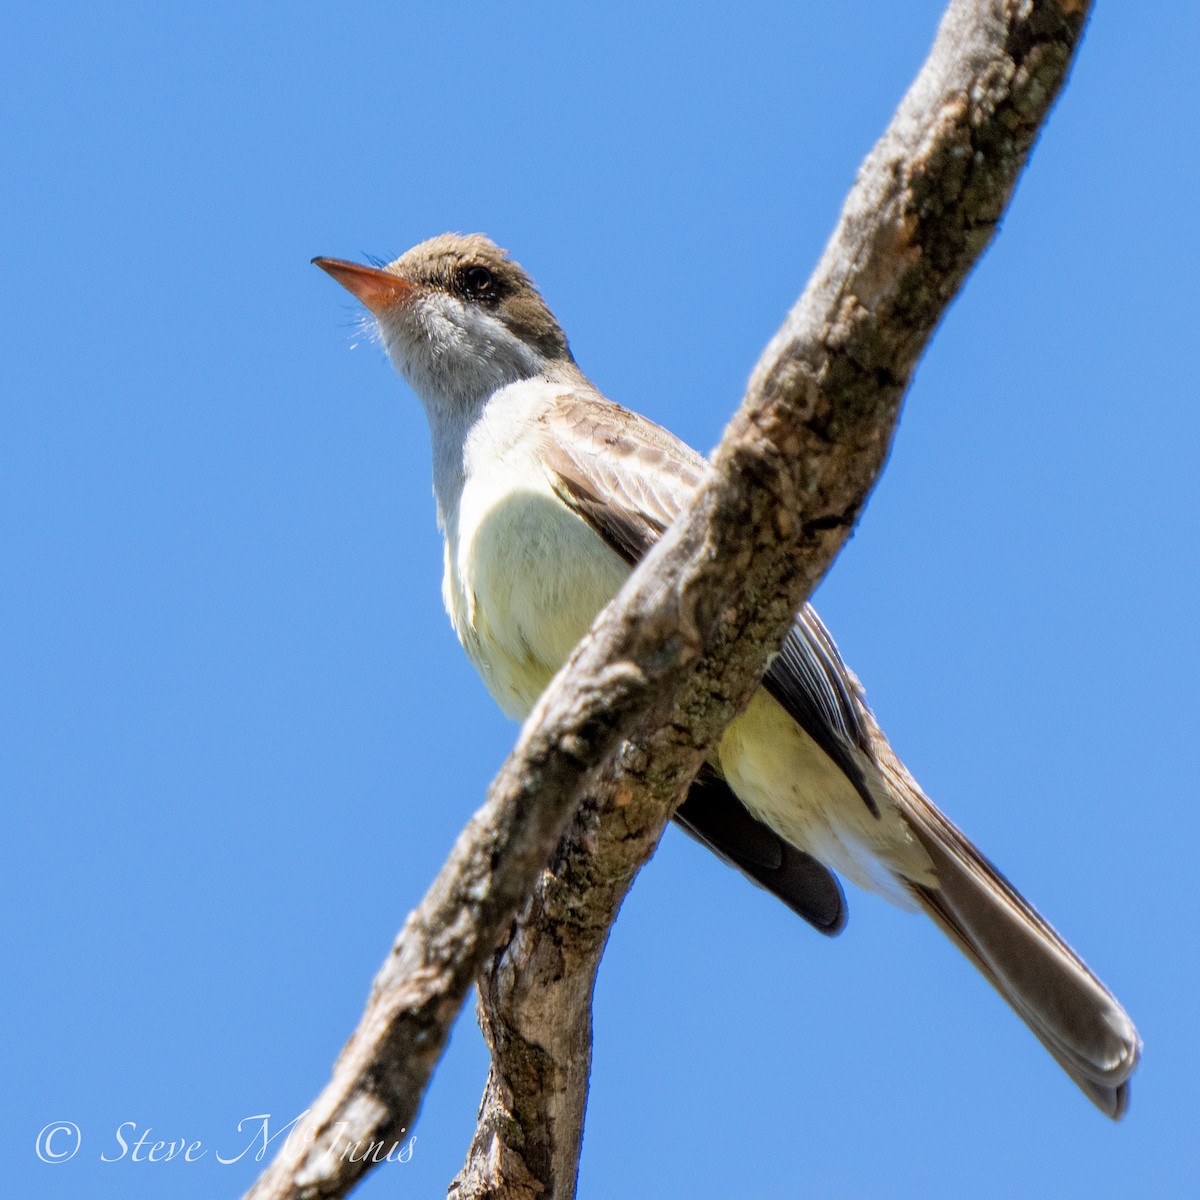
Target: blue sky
{"x": 241, "y": 737}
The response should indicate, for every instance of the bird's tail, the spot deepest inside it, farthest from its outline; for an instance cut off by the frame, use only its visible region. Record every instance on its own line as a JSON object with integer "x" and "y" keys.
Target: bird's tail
{"x": 1049, "y": 987}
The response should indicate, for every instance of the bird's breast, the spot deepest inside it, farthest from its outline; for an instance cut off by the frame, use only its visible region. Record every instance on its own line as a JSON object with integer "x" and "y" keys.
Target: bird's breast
{"x": 524, "y": 578}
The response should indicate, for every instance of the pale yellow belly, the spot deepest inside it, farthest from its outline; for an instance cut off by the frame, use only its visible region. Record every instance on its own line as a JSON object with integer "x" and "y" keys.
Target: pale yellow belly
{"x": 524, "y": 583}
{"x": 788, "y": 782}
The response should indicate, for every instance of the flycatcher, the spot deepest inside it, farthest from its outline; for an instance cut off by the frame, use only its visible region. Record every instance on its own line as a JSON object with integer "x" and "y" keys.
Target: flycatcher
{"x": 547, "y": 495}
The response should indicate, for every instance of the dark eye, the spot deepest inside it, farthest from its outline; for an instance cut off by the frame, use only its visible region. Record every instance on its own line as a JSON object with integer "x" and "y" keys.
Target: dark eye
{"x": 479, "y": 281}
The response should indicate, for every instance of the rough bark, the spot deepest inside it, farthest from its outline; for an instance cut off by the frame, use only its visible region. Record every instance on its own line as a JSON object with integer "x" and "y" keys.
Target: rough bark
{"x": 628, "y": 721}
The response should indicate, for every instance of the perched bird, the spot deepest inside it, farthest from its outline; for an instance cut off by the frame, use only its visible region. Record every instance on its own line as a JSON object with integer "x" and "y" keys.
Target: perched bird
{"x": 547, "y": 495}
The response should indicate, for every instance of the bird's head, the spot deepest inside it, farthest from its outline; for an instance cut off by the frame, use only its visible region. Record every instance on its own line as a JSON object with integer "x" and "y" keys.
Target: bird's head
{"x": 458, "y": 317}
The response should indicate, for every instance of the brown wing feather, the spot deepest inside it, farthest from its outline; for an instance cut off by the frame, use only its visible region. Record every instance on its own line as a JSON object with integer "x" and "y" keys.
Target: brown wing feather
{"x": 629, "y": 479}
{"x": 715, "y": 817}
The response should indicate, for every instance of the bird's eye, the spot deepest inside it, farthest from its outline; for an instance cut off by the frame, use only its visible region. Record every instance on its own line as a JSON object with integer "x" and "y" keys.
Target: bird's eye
{"x": 479, "y": 281}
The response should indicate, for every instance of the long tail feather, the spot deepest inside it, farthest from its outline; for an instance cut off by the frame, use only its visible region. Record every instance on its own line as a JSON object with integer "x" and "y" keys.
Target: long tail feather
{"x": 1049, "y": 987}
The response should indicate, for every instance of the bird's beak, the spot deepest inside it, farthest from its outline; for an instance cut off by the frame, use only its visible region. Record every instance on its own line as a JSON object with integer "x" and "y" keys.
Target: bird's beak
{"x": 377, "y": 289}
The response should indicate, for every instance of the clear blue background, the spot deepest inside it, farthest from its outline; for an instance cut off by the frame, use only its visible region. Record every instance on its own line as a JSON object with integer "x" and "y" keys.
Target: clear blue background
{"x": 240, "y": 737}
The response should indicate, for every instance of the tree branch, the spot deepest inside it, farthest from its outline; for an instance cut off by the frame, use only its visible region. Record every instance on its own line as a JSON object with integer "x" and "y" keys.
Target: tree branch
{"x": 681, "y": 650}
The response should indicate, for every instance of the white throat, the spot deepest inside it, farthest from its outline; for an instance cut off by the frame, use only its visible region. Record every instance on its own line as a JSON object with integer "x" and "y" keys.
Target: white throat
{"x": 456, "y": 357}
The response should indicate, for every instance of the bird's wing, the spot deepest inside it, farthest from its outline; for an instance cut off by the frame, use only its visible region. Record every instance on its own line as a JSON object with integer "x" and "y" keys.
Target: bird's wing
{"x": 629, "y": 479}
{"x": 716, "y": 818}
